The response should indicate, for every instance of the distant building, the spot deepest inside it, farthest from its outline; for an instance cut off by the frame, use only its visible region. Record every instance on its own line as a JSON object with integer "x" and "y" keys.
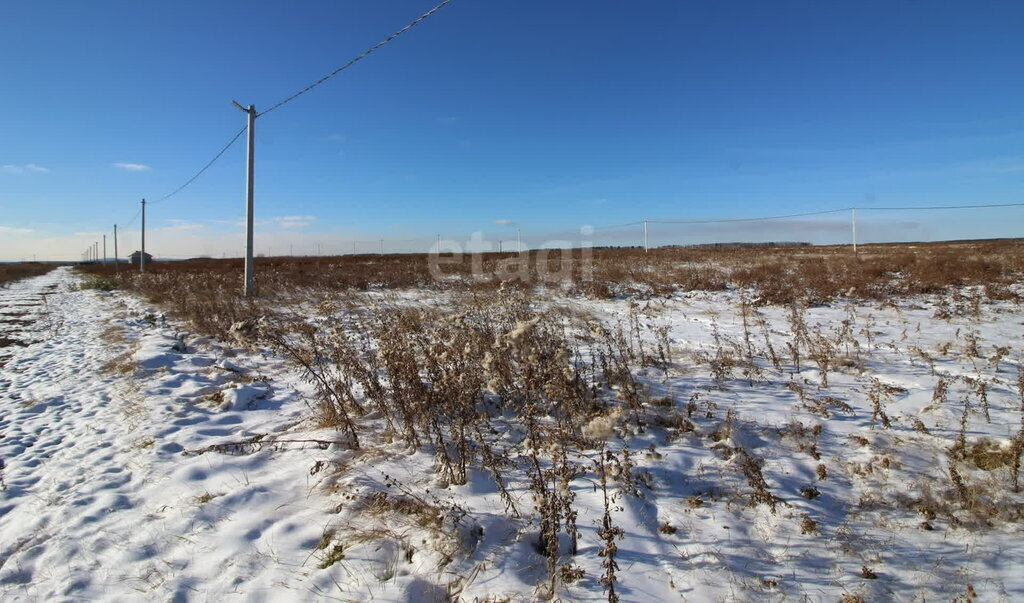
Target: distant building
{"x": 134, "y": 258}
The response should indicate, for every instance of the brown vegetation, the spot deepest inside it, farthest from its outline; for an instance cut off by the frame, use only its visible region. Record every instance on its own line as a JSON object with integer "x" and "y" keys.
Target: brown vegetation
{"x": 13, "y": 272}
{"x": 207, "y": 291}
{"x": 532, "y": 393}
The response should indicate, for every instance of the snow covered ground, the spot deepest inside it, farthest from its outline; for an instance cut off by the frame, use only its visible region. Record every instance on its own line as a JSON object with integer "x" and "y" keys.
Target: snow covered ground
{"x": 112, "y": 491}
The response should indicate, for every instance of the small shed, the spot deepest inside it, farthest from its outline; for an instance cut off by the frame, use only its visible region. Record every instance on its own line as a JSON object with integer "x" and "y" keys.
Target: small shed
{"x": 134, "y": 258}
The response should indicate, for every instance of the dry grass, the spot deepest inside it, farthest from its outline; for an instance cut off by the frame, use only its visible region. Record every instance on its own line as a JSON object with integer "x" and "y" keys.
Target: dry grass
{"x": 13, "y": 272}
{"x": 207, "y": 291}
{"x": 498, "y": 379}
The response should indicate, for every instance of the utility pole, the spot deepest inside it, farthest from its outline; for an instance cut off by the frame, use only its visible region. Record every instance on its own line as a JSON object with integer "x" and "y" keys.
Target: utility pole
{"x": 249, "y": 182}
{"x": 853, "y": 227}
{"x": 499, "y": 245}
{"x": 142, "y": 254}
{"x": 104, "y": 249}
{"x": 519, "y": 240}
{"x": 116, "y": 261}
{"x": 646, "y": 248}
{"x": 382, "y": 246}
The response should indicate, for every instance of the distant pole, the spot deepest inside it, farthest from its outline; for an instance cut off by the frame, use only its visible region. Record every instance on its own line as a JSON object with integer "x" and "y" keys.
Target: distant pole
{"x": 142, "y": 255}
{"x": 439, "y": 243}
{"x": 116, "y": 262}
{"x": 382, "y": 246}
{"x": 499, "y": 245}
{"x": 353, "y": 247}
{"x": 104, "y": 249}
{"x": 250, "y": 180}
{"x": 646, "y": 248}
{"x": 519, "y": 240}
{"x": 853, "y": 227}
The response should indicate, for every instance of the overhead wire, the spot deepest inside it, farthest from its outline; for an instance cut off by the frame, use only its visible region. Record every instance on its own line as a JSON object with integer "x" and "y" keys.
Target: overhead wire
{"x": 358, "y": 58}
{"x": 800, "y": 215}
{"x": 238, "y": 135}
{"x": 202, "y": 169}
{"x": 134, "y": 218}
{"x": 944, "y": 207}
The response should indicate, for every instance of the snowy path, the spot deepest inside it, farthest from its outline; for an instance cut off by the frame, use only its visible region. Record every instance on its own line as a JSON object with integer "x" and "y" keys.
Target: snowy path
{"x": 99, "y": 500}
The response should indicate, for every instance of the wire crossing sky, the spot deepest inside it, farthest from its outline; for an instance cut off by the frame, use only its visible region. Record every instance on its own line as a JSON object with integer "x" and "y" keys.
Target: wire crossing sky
{"x": 504, "y": 116}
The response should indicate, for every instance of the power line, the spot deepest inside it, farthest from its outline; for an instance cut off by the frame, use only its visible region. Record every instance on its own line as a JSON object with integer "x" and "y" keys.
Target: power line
{"x": 362, "y": 56}
{"x": 944, "y": 207}
{"x": 134, "y": 218}
{"x": 810, "y": 213}
{"x": 203, "y": 169}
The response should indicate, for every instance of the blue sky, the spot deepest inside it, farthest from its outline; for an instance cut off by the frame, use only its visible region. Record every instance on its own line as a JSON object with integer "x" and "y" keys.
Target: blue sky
{"x": 496, "y": 115}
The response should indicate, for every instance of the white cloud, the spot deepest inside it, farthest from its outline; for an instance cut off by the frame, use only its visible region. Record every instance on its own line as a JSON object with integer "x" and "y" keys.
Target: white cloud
{"x": 133, "y": 167}
{"x": 12, "y": 230}
{"x": 177, "y": 224}
{"x": 293, "y": 221}
{"x": 505, "y": 222}
{"x": 238, "y": 222}
{"x": 21, "y": 169}
{"x": 288, "y": 222}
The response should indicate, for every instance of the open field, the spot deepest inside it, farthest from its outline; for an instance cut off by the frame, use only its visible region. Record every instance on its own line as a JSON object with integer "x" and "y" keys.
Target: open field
{"x": 13, "y": 272}
{"x": 206, "y": 291}
{"x": 745, "y": 424}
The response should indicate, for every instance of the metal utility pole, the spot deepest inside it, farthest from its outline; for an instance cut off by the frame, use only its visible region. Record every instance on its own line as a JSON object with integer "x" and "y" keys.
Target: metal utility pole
{"x": 250, "y": 178}
{"x": 142, "y": 254}
{"x": 853, "y": 227}
{"x": 646, "y": 248}
{"x": 116, "y": 261}
{"x": 499, "y": 245}
{"x": 104, "y": 249}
